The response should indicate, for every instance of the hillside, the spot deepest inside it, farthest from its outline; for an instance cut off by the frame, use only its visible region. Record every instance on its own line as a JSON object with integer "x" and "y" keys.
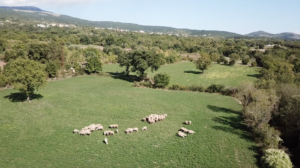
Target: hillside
{"x": 285, "y": 35}
{"x": 37, "y": 15}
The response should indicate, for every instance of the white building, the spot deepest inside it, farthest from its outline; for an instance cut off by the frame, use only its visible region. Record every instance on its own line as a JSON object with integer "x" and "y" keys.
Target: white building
{"x": 41, "y": 25}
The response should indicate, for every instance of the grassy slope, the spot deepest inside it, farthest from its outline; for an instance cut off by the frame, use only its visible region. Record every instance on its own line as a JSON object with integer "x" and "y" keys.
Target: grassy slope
{"x": 38, "y": 134}
{"x": 185, "y": 73}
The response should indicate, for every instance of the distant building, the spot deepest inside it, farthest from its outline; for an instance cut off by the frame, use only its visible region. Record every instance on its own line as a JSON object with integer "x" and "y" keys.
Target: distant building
{"x": 1, "y": 24}
{"x": 141, "y": 31}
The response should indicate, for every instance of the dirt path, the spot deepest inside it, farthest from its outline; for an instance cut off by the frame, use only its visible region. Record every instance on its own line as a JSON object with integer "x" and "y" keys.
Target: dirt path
{"x": 2, "y": 64}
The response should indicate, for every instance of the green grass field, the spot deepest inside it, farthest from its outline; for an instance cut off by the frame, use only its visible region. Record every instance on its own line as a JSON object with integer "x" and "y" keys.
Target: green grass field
{"x": 39, "y": 134}
{"x": 185, "y": 73}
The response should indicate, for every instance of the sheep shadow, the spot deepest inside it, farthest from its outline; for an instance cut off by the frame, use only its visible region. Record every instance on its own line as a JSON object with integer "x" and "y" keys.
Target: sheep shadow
{"x": 193, "y": 72}
{"x": 121, "y": 76}
{"x": 20, "y": 97}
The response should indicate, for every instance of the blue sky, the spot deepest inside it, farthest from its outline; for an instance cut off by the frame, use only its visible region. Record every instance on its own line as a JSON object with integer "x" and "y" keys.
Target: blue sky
{"x": 240, "y": 16}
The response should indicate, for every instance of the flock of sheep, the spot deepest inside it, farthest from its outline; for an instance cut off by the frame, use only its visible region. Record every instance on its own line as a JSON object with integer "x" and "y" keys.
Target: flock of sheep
{"x": 150, "y": 119}
{"x": 93, "y": 127}
{"x": 154, "y": 118}
{"x": 183, "y": 130}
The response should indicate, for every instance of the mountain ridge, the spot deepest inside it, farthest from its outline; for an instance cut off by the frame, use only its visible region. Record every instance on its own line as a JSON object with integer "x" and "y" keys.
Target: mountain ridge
{"x": 37, "y": 15}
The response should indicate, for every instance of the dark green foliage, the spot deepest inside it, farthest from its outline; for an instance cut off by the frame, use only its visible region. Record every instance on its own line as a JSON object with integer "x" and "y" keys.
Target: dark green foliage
{"x": 215, "y": 88}
{"x": 170, "y": 60}
{"x": 161, "y": 80}
{"x": 38, "y": 51}
{"x": 113, "y": 49}
{"x": 229, "y": 91}
{"x": 93, "y": 65}
{"x": 3, "y": 79}
{"x": 85, "y": 40}
{"x": 51, "y": 68}
{"x": 195, "y": 88}
{"x": 267, "y": 137}
{"x": 26, "y": 75}
{"x": 254, "y": 64}
{"x": 245, "y": 59}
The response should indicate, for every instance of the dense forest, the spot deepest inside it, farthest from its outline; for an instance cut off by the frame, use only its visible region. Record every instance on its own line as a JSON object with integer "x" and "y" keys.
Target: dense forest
{"x": 270, "y": 105}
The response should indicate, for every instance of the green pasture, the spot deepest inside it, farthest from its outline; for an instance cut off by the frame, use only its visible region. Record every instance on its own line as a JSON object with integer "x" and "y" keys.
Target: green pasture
{"x": 39, "y": 133}
{"x": 185, "y": 73}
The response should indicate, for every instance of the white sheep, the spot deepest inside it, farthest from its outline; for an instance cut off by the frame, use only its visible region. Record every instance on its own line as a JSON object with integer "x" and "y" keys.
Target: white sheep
{"x": 186, "y": 122}
{"x": 99, "y": 127}
{"x": 190, "y": 132}
{"x": 135, "y": 129}
{"x": 114, "y": 126}
{"x": 129, "y": 130}
{"x": 117, "y": 131}
{"x": 75, "y": 131}
{"x": 144, "y": 128}
{"x": 181, "y": 134}
{"x": 184, "y": 129}
{"x": 111, "y": 132}
{"x": 92, "y": 127}
{"x": 85, "y": 132}
{"x": 144, "y": 119}
{"x": 105, "y": 133}
{"x": 105, "y": 140}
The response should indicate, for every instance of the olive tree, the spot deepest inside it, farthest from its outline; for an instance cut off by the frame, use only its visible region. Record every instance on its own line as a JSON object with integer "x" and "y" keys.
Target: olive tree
{"x": 26, "y": 75}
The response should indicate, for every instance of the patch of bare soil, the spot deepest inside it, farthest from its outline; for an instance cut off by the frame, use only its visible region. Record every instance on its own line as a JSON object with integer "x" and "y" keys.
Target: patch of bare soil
{"x": 194, "y": 56}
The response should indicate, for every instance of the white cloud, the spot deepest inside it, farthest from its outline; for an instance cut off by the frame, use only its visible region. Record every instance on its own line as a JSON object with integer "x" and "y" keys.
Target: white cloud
{"x": 45, "y": 2}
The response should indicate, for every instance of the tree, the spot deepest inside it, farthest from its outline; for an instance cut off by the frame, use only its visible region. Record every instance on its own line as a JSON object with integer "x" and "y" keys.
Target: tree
{"x": 94, "y": 65}
{"x": 26, "y": 75}
{"x": 203, "y": 63}
{"x": 161, "y": 80}
{"x": 140, "y": 61}
{"x": 51, "y": 68}
{"x": 233, "y": 58}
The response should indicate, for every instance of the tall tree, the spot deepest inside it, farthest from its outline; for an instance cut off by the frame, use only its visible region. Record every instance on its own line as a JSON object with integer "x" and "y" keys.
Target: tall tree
{"x": 204, "y": 62}
{"x": 26, "y": 75}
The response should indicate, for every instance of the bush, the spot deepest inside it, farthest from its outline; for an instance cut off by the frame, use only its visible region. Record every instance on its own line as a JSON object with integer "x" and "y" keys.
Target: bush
{"x": 232, "y": 62}
{"x": 225, "y": 61}
{"x": 196, "y": 88}
{"x": 229, "y": 91}
{"x": 245, "y": 61}
{"x": 267, "y": 136}
{"x": 143, "y": 84}
{"x": 215, "y": 88}
{"x": 3, "y": 80}
{"x": 254, "y": 64}
{"x": 275, "y": 158}
{"x": 161, "y": 80}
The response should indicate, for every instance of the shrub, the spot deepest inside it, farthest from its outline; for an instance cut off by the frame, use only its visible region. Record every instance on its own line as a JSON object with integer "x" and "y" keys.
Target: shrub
{"x": 175, "y": 87}
{"x": 3, "y": 80}
{"x": 225, "y": 61}
{"x": 229, "y": 91}
{"x": 275, "y": 158}
{"x": 196, "y": 88}
{"x": 267, "y": 136}
{"x": 232, "y": 62}
{"x": 215, "y": 88}
{"x": 245, "y": 61}
{"x": 254, "y": 64}
{"x": 161, "y": 80}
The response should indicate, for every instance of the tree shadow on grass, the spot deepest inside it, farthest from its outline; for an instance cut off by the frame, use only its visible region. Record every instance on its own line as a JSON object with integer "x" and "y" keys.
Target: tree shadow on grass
{"x": 193, "y": 72}
{"x": 234, "y": 125}
{"x": 20, "y": 97}
{"x": 129, "y": 78}
{"x": 255, "y": 75}
{"x": 222, "y": 109}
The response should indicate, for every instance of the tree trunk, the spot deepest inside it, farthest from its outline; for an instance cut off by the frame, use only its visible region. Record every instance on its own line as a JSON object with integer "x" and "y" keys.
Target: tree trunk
{"x": 28, "y": 98}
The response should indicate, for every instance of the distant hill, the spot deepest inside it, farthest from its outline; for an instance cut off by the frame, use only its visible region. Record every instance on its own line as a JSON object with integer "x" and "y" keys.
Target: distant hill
{"x": 40, "y": 16}
{"x": 293, "y": 36}
{"x": 30, "y": 8}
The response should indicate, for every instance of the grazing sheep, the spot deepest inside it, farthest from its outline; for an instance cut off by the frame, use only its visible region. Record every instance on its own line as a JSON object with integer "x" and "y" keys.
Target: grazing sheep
{"x": 105, "y": 140}
{"x": 105, "y": 133}
{"x": 186, "y": 122}
{"x": 144, "y": 119}
{"x": 117, "y": 131}
{"x": 85, "y": 132}
{"x": 114, "y": 126}
{"x": 144, "y": 129}
{"x": 111, "y": 132}
{"x": 190, "y": 122}
{"x": 99, "y": 127}
{"x": 190, "y": 132}
{"x": 135, "y": 129}
{"x": 75, "y": 131}
{"x": 184, "y": 129}
{"x": 129, "y": 130}
{"x": 181, "y": 134}
{"x": 92, "y": 127}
